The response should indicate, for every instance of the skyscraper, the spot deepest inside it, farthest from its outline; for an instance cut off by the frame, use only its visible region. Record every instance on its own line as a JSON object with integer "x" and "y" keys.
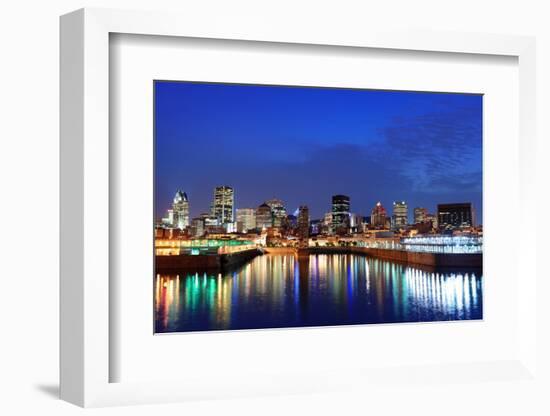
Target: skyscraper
{"x": 180, "y": 211}
{"x": 303, "y": 222}
{"x": 400, "y": 216}
{"x": 246, "y": 219}
{"x": 420, "y": 215}
{"x": 222, "y": 208}
{"x": 378, "y": 216}
{"x": 278, "y": 211}
{"x": 452, "y": 216}
{"x": 264, "y": 217}
{"x": 340, "y": 214}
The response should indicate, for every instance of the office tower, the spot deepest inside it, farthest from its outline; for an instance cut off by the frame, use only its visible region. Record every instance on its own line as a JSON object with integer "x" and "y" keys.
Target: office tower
{"x": 400, "y": 215}
{"x": 340, "y": 214}
{"x": 278, "y": 211}
{"x": 454, "y": 216}
{"x": 222, "y": 207}
{"x": 264, "y": 217}
{"x": 303, "y": 222}
{"x": 420, "y": 215}
{"x": 246, "y": 219}
{"x": 378, "y": 216}
{"x": 180, "y": 211}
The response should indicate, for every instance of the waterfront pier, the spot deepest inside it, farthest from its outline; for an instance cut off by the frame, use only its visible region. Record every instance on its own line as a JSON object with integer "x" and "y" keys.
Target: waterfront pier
{"x": 431, "y": 259}
{"x": 216, "y": 262}
{"x": 216, "y": 256}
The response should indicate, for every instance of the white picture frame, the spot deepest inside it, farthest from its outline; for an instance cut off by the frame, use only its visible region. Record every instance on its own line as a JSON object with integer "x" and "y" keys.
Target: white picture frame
{"x": 85, "y": 200}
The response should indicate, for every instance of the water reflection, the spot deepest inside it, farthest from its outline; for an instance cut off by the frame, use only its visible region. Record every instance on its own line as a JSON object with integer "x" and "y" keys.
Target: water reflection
{"x": 282, "y": 291}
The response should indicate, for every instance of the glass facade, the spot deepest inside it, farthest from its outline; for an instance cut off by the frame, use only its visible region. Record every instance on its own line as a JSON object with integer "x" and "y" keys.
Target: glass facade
{"x": 453, "y": 216}
{"x": 223, "y": 205}
{"x": 180, "y": 211}
{"x": 340, "y": 214}
{"x": 400, "y": 214}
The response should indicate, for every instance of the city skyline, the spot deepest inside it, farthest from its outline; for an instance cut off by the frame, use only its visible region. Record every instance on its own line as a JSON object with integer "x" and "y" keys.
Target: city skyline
{"x": 279, "y": 206}
{"x": 410, "y": 210}
{"x": 305, "y": 144}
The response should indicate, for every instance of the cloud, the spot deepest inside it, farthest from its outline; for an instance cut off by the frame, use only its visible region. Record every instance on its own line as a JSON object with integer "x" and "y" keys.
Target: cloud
{"x": 438, "y": 152}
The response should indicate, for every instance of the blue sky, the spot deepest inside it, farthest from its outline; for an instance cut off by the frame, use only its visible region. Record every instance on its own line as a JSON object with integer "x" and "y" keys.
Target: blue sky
{"x": 303, "y": 144}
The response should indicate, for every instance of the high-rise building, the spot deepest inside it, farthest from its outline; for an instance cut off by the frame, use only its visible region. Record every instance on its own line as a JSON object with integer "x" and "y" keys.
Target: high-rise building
{"x": 420, "y": 215}
{"x": 180, "y": 211}
{"x": 246, "y": 219}
{"x": 222, "y": 207}
{"x": 340, "y": 214}
{"x": 278, "y": 211}
{"x": 264, "y": 217}
{"x": 378, "y": 216}
{"x": 303, "y": 222}
{"x": 453, "y": 216}
{"x": 400, "y": 217}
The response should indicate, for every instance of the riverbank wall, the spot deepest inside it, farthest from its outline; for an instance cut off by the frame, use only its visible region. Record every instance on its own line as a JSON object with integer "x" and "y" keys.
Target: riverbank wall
{"x": 213, "y": 263}
{"x": 280, "y": 250}
{"x": 219, "y": 262}
{"x": 435, "y": 260}
{"x": 463, "y": 260}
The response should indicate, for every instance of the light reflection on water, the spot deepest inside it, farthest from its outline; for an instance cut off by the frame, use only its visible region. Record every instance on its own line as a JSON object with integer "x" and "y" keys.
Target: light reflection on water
{"x": 281, "y": 291}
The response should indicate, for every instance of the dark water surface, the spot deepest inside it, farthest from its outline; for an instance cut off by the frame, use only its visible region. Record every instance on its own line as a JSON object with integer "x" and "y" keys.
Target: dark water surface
{"x": 274, "y": 291}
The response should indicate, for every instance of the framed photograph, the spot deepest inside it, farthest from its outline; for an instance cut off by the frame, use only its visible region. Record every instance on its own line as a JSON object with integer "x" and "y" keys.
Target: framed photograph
{"x": 286, "y": 224}
{"x": 270, "y": 211}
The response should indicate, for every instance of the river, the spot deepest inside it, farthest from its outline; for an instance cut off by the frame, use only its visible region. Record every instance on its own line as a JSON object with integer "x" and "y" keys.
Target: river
{"x": 274, "y": 291}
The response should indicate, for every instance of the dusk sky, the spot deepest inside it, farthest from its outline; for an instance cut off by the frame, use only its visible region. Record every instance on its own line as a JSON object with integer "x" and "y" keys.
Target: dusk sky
{"x": 303, "y": 145}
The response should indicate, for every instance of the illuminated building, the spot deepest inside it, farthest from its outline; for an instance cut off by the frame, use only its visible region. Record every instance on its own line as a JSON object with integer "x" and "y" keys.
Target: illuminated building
{"x": 292, "y": 221}
{"x": 246, "y": 219}
{"x": 432, "y": 218}
{"x": 303, "y": 222}
{"x": 453, "y": 216}
{"x": 400, "y": 215}
{"x": 180, "y": 211}
{"x": 264, "y": 217}
{"x": 316, "y": 226}
{"x": 278, "y": 211}
{"x": 211, "y": 224}
{"x": 355, "y": 222}
{"x": 222, "y": 208}
{"x": 197, "y": 227}
{"x": 230, "y": 227}
{"x": 340, "y": 214}
{"x": 420, "y": 215}
{"x": 168, "y": 221}
{"x": 378, "y": 216}
{"x": 328, "y": 220}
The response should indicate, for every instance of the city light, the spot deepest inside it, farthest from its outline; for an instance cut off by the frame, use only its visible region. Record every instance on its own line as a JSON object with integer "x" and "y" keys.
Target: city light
{"x": 320, "y": 216}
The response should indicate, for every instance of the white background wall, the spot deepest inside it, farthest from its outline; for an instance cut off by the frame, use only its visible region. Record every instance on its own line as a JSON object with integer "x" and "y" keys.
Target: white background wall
{"x": 29, "y": 193}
